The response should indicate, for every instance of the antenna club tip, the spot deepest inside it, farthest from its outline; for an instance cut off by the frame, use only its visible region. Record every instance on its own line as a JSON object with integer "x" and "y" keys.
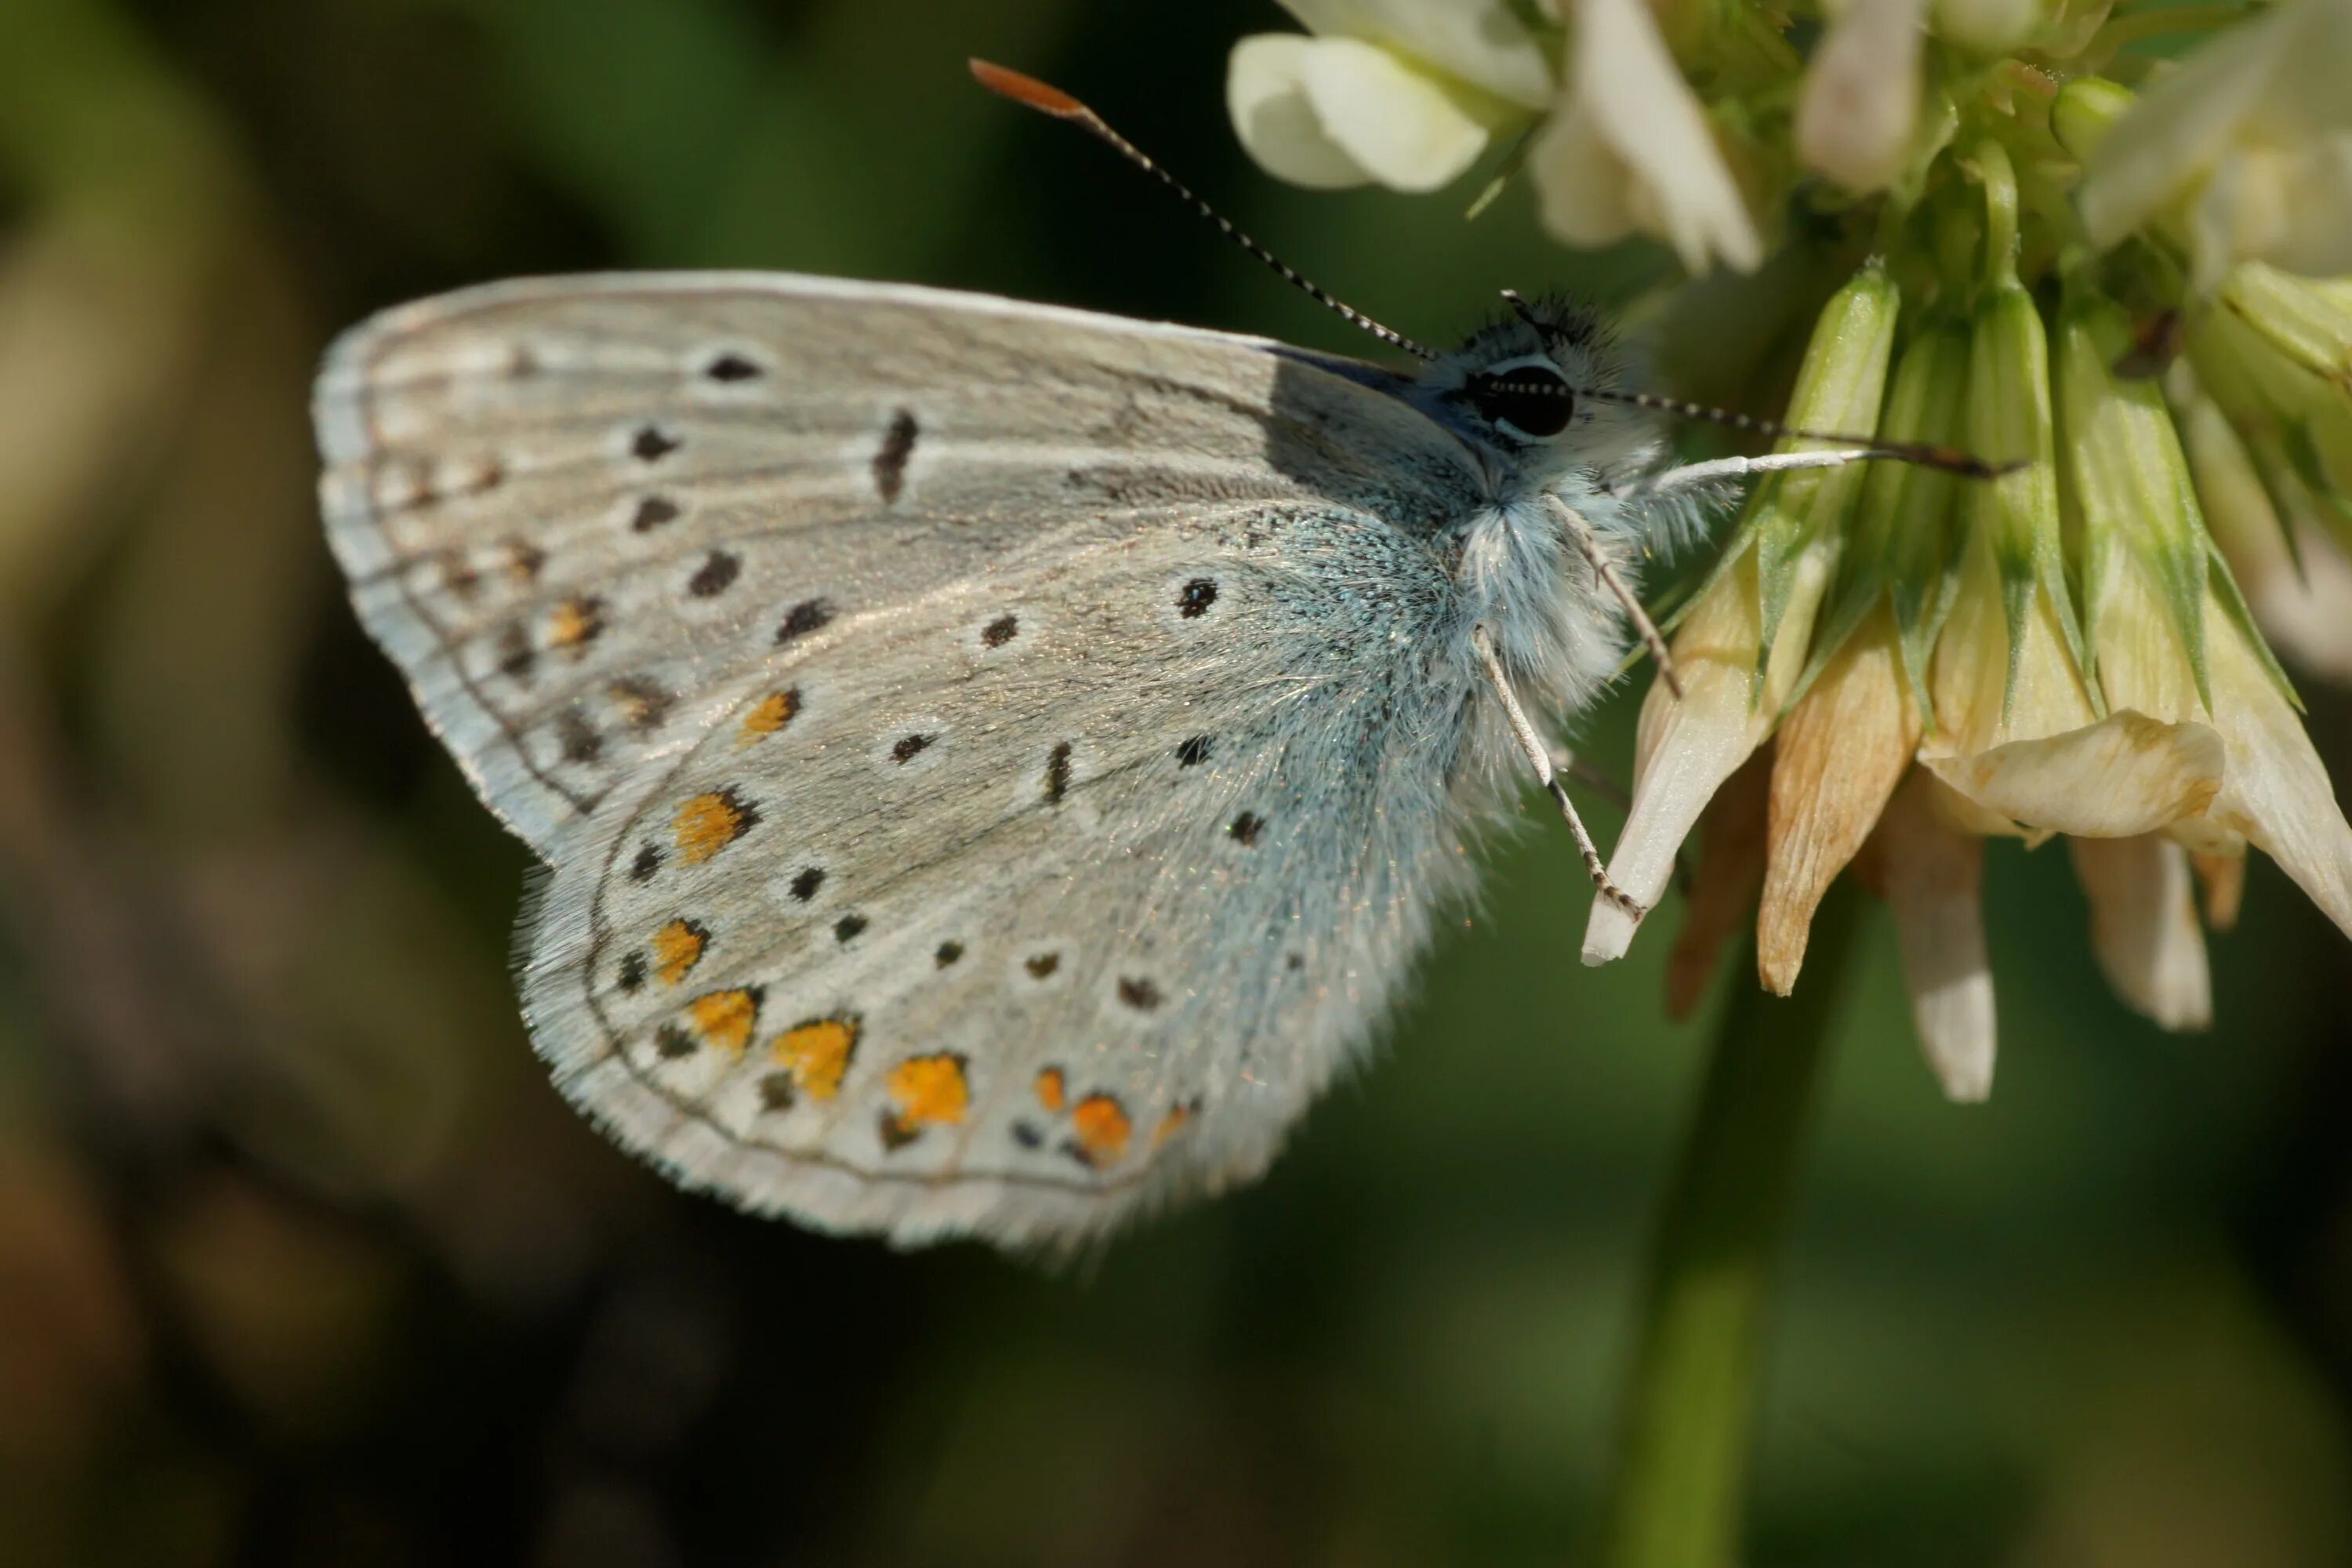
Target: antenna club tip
{"x": 1026, "y": 90}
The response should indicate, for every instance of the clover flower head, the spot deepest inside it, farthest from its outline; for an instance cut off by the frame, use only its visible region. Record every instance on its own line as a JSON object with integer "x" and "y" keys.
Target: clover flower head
{"x": 2096, "y": 243}
{"x": 1389, "y": 91}
{"x": 1925, "y": 663}
{"x": 2244, "y": 153}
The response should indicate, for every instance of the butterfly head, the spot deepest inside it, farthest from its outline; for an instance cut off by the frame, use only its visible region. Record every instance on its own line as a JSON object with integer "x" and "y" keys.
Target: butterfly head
{"x": 1532, "y": 385}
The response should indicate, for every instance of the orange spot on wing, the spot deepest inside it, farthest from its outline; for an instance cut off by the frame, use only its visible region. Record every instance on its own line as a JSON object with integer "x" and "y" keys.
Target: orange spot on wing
{"x": 771, "y": 714}
{"x": 574, "y": 621}
{"x": 710, "y": 823}
{"x": 1100, "y": 1130}
{"x": 724, "y": 1018}
{"x": 817, "y": 1052}
{"x": 677, "y": 948}
{"x": 928, "y": 1089}
{"x": 1052, "y": 1090}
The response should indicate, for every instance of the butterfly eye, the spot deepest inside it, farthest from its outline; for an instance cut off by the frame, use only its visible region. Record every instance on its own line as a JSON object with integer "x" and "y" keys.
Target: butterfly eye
{"x": 1526, "y": 400}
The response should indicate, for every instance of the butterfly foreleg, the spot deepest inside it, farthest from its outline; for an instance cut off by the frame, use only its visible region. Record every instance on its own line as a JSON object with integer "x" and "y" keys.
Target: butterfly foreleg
{"x": 1539, "y": 755}
{"x": 1717, "y": 469}
{"x": 1587, "y": 544}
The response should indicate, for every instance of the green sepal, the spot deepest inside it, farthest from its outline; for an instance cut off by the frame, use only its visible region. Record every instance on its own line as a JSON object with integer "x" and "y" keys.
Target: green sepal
{"x": 2010, "y": 420}
{"x": 2233, "y": 605}
{"x": 2126, "y": 481}
{"x": 1514, "y": 158}
{"x": 2300, "y": 321}
{"x": 1903, "y": 544}
{"x": 1839, "y": 388}
{"x": 2300, "y": 450}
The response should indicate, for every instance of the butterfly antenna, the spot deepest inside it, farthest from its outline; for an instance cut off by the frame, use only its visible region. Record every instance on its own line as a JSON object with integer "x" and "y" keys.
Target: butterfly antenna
{"x": 1047, "y": 100}
{"x": 1925, "y": 453}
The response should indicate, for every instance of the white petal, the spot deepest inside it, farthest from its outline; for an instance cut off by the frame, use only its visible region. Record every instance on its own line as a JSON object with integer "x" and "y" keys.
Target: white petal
{"x": 1395, "y": 123}
{"x": 1480, "y": 41}
{"x": 1585, "y": 191}
{"x": 2319, "y": 195}
{"x": 2180, "y": 128}
{"x": 1932, "y": 876}
{"x": 1688, "y": 747}
{"x": 1635, "y": 104}
{"x": 1691, "y": 746}
{"x": 2277, "y": 792}
{"x": 1976, "y": 706}
{"x": 1840, "y": 755}
{"x": 2127, "y": 775}
{"x": 1860, "y": 101}
{"x": 2262, "y": 118}
{"x": 2144, "y": 927}
{"x": 1266, "y": 94}
{"x": 2305, "y": 606}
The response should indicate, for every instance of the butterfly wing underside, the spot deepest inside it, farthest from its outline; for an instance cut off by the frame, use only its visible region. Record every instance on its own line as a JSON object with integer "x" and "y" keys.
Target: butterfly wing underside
{"x": 988, "y": 755}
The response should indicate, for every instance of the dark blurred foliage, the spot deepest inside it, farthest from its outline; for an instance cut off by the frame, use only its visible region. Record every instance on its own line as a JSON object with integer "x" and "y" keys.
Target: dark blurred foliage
{"x": 301, "y": 1260}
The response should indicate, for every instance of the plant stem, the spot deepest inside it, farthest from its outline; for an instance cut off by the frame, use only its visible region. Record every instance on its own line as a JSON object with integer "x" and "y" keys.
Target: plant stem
{"x": 1683, "y": 1466}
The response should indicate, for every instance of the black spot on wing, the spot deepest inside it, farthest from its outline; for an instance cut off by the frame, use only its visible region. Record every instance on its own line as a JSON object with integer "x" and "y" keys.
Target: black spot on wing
{"x": 577, "y": 737}
{"x": 808, "y": 615}
{"x": 891, "y": 458}
{"x": 711, "y": 579}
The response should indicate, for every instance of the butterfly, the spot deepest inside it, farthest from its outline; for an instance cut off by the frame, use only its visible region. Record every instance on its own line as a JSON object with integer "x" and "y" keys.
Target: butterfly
{"x": 996, "y": 763}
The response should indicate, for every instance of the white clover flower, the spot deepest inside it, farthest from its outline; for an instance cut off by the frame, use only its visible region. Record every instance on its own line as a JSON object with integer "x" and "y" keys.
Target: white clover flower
{"x": 2294, "y": 573}
{"x": 1409, "y": 93}
{"x": 2244, "y": 152}
{"x": 1631, "y": 151}
{"x": 1953, "y": 684}
{"x": 1402, "y": 93}
{"x": 2264, "y": 399}
{"x": 1858, "y": 111}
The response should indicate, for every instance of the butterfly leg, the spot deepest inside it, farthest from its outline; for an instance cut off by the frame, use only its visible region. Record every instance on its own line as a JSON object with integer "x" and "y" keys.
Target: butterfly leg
{"x": 1531, "y": 745}
{"x": 1587, "y": 544}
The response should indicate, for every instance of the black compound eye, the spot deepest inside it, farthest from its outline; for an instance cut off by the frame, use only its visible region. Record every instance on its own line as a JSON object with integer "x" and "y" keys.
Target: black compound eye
{"x": 1533, "y": 401}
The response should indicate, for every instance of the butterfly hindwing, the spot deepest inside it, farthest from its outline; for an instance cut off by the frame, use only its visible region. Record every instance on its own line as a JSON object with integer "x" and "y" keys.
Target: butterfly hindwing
{"x": 1053, "y": 789}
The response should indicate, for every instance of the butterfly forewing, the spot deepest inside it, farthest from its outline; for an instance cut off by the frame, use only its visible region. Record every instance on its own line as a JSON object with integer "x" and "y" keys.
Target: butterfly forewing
{"x": 921, "y": 699}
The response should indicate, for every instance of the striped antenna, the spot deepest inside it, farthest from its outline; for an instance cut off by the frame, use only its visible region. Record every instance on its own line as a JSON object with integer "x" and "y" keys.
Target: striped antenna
{"x": 1926, "y": 453}
{"x": 1032, "y": 93}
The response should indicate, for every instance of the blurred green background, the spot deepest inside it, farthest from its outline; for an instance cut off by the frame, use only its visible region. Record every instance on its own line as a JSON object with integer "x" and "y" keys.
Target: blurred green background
{"x": 301, "y": 1262}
